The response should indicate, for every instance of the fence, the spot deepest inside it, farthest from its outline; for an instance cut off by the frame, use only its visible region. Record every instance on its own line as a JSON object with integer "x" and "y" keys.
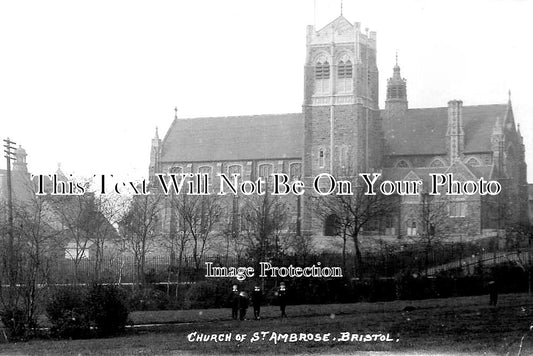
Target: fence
{"x": 469, "y": 264}
{"x": 386, "y": 263}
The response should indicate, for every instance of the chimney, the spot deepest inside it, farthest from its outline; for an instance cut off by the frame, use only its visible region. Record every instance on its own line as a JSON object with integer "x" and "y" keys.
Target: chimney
{"x": 455, "y": 132}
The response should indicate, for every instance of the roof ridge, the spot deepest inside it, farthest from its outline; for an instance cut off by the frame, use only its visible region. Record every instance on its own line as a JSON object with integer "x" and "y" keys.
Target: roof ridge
{"x": 237, "y": 116}
{"x": 341, "y": 16}
{"x": 464, "y": 106}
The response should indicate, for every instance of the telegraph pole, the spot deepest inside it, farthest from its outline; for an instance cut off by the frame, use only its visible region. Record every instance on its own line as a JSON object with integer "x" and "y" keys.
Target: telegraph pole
{"x": 12, "y": 277}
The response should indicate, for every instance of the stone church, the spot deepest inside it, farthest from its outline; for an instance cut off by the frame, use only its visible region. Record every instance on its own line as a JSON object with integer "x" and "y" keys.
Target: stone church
{"x": 341, "y": 125}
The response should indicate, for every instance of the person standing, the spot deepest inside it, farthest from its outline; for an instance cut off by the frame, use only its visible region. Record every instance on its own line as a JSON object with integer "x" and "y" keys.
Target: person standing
{"x": 282, "y": 299}
{"x": 493, "y": 293}
{"x": 234, "y": 302}
{"x": 257, "y": 296}
{"x": 243, "y": 304}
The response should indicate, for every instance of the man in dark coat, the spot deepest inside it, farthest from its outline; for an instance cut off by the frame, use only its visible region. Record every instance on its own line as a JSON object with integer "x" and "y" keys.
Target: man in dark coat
{"x": 257, "y": 296}
{"x": 282, "y": 299}
{"x": 234, "y": 302}
{"x": 243, "y": 304}
{"x": 493, "y": 293}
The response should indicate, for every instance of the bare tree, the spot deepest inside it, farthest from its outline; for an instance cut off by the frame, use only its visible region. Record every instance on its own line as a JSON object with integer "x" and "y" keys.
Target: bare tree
{"x": 350, "y": 213}
{"x": 108, "y": 210}
{"x": 175, "y": 241}
{"x": 38, "y": 246}
{"x": 433, "y": 215}
{"x": 265, "y": 226}
{"x": 139, "y": 229}
{"x": 199, "y": 216}
{"x": 231, "y": 230}
{"x": 78, "y": 216}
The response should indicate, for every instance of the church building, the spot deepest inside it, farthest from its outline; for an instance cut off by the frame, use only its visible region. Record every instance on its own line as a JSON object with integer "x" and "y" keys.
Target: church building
{"x": 342, "y": 129}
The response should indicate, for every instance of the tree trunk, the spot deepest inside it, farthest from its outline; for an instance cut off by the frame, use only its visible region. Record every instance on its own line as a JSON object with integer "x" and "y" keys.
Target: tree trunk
{"x": 357, "y": 256}
{"x": 344, "y": 252}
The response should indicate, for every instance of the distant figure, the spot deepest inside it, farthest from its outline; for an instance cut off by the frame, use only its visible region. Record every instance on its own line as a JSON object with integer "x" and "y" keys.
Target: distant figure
{"x": 493, "y": 293}
{"x": 282, "y": 299}
{"x": 243, "y": 304}
{"x": 234, "y": 301}
{"x": 257, "y": 296}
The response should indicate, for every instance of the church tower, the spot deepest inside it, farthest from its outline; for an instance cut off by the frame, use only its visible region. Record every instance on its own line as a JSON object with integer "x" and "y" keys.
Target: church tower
{"x": 20, "y": 161}
{"x": 396, "y": 103}
{"x": 155, "y": 156}
{"x": 342, "y": 124}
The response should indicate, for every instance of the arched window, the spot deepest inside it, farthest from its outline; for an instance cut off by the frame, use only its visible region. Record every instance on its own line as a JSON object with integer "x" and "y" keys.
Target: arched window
{"x": 437, "y": 162}
{"x": 264, "y": 171}
{"x": 402, "y": 164}
{"x": 235, "y": 169}
{"x": 331, "y": 225}
{"x": 473, "y": 162}
{"x": 295, "y": 171}
{"x": 322, "y": 70}
{"x": 345, "y": 69}
{"x": 411, "y": 227}
{"x": 176, "y": 170}
{"x": 389, "y": 225}
{"x": 344, "y": 76}
{"x": 321, "y": 158}
{"x": 204, "y": 169}
{"x": 322, "y": 77}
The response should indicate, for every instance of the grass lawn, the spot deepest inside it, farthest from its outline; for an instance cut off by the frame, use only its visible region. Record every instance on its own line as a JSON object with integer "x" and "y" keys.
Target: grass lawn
{"x": 453, "y": 326}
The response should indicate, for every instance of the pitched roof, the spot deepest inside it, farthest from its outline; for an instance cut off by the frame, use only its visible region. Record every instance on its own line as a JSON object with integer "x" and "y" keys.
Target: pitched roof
{"x": 234, "y": 138}
{"x": 423, "y": 131}
{"x": 257, "y": 137}
{"x": 338, "y": 24}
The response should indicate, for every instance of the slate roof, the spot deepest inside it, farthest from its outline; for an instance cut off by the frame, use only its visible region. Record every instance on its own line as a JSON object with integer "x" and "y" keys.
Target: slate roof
{"x": 423, "y": 131}
{"x": 263, "y": 137}
{"x": 423, "y": 173}
{"x": 235, "y": 138}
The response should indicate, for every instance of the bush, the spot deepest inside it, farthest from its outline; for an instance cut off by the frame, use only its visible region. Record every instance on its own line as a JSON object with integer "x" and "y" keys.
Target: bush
{"x": 208, "y": 294}
{"x": 68, "y": 314}
{"x": 413, "y": 287}
{"x": 317, "y": 291}
{"x": 107, "y": 309}
{"x": 73, "y": 312}
{"x": 14, "y": 320}
{"x": 148, "y": 299}
{"x": 510, "y": 277}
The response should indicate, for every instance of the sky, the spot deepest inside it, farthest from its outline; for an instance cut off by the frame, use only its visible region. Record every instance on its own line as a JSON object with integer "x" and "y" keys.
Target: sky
{"x": 85, "y": 83}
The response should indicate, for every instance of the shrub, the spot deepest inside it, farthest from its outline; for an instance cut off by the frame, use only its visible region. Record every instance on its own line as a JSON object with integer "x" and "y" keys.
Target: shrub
{"x": 14, "y": 320}
{"x": 148, "y": 299}
{"x": 511, "y": 278}
{"x": 412, "y": 287}
{"x": 208, "y": 294}
{"x": 68, "y": 314}
{"x": 72, "y": 311}
{"x": 107, "y": 309}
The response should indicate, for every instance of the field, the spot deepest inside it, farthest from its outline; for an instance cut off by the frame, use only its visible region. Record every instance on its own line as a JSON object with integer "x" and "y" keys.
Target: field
{"x": 451, "y": 326}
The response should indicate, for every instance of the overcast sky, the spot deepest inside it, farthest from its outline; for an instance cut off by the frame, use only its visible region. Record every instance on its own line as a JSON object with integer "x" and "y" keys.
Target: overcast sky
{"x": 86, "y": 83}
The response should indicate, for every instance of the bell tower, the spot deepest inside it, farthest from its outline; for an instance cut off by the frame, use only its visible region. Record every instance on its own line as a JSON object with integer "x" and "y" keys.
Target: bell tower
{"x": 396, "y": 103}
{"x": 342, "y": 124}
